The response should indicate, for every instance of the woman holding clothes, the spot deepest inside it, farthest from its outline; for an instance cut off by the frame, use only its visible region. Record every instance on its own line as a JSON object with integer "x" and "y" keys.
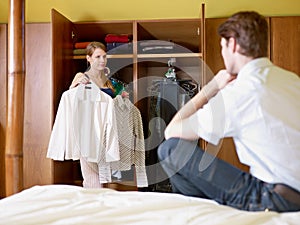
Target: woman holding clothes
{"x": 97, "y": 73}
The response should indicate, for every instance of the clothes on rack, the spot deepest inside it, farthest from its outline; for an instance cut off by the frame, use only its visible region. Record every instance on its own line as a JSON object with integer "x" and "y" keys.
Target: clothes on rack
{"x": 118, "y": 89}
{"x": 85, "y": 126}
{"x": 171, "y": 74}
{"x": 160, "y": 113}
{"x": 131, "y": 139}
{"x": 116, "y": 174}
{"x": 167, "y": 97}
{"x": 189, "y": 87}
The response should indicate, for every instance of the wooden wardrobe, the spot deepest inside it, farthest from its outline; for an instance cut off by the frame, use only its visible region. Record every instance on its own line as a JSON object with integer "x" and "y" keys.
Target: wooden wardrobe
{"x": 50, "y": 67}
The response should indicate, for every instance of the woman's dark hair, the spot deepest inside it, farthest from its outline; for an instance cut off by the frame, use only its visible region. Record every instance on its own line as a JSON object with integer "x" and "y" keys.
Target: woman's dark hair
{"x": 250, "y": 30}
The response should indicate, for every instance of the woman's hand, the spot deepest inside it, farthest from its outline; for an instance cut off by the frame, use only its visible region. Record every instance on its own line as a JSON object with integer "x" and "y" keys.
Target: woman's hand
{"x": 125, "y": 94}
{"x": 79, "y": 78}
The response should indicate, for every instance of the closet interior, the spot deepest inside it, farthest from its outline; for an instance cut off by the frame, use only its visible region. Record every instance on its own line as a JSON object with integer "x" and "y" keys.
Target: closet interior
{"x": 160, "y": 64}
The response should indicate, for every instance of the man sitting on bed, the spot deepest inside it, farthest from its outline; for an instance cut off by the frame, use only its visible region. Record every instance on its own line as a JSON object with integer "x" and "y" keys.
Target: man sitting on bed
{"x": 258, "y": 105}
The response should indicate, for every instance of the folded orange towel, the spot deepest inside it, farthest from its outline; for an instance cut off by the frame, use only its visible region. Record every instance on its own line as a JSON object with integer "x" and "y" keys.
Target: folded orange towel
{"x": 81, "y": 44}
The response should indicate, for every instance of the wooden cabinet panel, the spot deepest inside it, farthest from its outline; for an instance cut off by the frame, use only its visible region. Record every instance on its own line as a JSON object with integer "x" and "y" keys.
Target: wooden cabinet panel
{"x": 62, "y": 46}
{"x": 37, "y": 107}
{"x": 228, "y": 154}
{"x": 285, "y": 42}
{"x": 3, "y": 90}
{"x": 62, "y": 75}
{"x": 183, "y": 32}
{"x": 213, "y": 57}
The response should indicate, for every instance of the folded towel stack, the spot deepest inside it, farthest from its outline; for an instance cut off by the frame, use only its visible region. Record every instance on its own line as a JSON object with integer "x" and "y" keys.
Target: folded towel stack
{"x": 118, "y": 43}
{"x": 80, "y": 48}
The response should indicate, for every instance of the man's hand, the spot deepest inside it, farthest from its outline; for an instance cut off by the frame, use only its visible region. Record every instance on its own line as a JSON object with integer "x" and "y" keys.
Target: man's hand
{"x": 223, "y": 78}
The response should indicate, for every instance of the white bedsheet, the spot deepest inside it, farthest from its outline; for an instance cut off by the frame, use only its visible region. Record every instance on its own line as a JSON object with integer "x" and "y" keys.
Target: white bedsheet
{"x": 64, "y": 204}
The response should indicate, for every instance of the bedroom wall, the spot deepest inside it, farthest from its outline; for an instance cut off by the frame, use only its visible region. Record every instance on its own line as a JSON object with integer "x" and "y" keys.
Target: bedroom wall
{"x": 78, "y": 10}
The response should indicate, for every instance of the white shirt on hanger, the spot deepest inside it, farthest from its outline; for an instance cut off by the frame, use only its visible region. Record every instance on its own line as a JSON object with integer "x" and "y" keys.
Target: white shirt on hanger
{"x": 85, "y": 124}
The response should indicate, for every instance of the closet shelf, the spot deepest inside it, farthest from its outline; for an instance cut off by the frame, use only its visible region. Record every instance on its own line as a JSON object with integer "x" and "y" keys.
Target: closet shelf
{"x": 129, "y": 56}
{"x": 119, "y": 56}
{"x": 170, "y": 55}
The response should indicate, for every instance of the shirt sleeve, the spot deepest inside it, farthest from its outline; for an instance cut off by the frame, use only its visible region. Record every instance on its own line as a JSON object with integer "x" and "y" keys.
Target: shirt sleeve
{"x": 112, "y": 140}
{"x": 214, "y": 120}
{"x": 57, "y": 143}
{"x": 139, "y": 151}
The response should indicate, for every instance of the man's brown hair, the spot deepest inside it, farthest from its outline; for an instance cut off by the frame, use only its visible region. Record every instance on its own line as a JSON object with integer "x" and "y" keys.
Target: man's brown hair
{"x": 250, "y": 30}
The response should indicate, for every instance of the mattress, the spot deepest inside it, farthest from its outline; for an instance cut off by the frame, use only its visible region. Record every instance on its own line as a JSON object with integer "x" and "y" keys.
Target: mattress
{"x": 66, "y": 204}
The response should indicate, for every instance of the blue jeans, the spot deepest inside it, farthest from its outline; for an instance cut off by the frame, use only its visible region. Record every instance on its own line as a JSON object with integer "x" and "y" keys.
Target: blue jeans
{"x": 193, "y": 172}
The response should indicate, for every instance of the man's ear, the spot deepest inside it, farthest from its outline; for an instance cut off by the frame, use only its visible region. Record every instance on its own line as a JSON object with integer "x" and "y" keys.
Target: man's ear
{"x": 232, "y": 44}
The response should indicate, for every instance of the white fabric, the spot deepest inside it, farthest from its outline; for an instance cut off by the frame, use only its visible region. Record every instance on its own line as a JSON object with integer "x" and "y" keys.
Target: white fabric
{"x": 85, "y": 126}
{"x": 62, "y": 204}
{"x": 260, "y": 110}
{"x": 131, "y": 139}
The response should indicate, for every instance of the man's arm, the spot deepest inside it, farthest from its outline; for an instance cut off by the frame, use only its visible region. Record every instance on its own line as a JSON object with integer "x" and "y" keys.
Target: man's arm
{"x": 179, "y": 126}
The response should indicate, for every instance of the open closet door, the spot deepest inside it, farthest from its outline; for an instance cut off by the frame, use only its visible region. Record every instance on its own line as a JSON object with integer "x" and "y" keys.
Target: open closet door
{"x": 62, "y": 75}
{"x": 62, "y": 47}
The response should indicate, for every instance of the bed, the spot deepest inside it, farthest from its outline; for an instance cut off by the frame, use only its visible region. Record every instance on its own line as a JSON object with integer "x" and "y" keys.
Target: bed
{"x": 66, "y": 204}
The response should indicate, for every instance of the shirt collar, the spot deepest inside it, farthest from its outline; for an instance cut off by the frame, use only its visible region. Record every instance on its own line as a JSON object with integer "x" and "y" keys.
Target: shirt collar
{"x": 94, "y": 93}
{"x": 253, "y": 65}
{"x": 122, "y": 102}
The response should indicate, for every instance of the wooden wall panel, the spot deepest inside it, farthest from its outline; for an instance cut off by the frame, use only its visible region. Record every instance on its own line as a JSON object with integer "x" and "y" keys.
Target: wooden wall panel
{"x": 213, "y": 57}
{"x": 228, "y": 154}
{"x": 285, "y": 42}
{"x": 3, "y": 91}
{"x": 37, "y": 115}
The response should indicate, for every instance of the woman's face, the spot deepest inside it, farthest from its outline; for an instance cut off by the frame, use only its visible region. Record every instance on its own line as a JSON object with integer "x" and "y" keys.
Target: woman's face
{"x": 98, "y": 59}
